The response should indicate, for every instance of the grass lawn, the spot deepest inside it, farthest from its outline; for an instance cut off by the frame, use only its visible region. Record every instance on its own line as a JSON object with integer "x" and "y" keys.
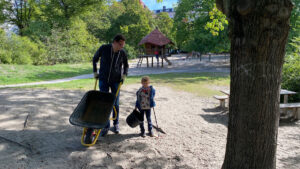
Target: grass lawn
{"x": 202, "y": 84}
{"x": 14, "y": 74}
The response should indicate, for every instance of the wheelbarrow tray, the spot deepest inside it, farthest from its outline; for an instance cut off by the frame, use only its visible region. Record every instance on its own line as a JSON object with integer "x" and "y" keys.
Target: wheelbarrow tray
{"x": 93, "y": 111}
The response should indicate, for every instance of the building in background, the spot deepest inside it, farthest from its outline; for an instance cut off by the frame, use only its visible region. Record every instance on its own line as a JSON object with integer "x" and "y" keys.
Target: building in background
{"x": 143, "y": 4}
{"x": 170, "y": 11}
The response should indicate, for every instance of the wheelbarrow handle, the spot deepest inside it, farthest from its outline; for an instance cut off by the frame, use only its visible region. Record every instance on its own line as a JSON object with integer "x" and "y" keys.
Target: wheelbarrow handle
{"x": 120, "y": 84}
{"x": 96, "y": 80}
{"x": 114, "y": 108}
{"x": 117, "y": 93}
{"x": 119, "y": 87}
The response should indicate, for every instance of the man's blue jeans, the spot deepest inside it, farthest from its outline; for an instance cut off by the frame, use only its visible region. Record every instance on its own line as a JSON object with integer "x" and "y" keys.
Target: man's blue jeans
{"x": 104, "y": 87}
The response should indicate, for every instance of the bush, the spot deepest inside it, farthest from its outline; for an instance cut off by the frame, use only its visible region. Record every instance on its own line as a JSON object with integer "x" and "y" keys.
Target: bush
{"x": 131, "y": 52}
{"x": 291, "y": 72}
{"x": 71, "y": 45}
{"x": 18, "y": 50}
{"x": 5, "y": 55}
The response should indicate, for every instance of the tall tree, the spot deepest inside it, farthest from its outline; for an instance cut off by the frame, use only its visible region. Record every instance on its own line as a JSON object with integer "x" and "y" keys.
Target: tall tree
{"x": 165, "y": 24}
{"x": 98, "y": 20}
{"x": 197, "y": 23}
{"x": 258, "y": 31}
{"x": 134, "y": 22}
{"x": 61, "y": 11}
{"x": 17, "y": 12}
{"x": 3, "y": 5}
{"x": 295, "y": 27}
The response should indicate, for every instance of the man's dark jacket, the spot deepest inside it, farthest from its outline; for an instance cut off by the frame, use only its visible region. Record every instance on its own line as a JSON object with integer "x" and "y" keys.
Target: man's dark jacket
{"x": 110, "y": 63}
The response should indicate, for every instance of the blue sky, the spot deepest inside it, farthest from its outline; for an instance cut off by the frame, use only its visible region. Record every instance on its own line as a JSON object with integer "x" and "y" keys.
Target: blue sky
{"x": 152, "y": 4}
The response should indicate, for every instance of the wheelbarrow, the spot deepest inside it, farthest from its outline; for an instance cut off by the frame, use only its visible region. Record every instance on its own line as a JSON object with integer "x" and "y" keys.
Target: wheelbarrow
{"x": 93, "y": 111}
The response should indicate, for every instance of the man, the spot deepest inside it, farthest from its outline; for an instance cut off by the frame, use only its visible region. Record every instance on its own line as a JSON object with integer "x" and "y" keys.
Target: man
{"x": 113, "y": 58}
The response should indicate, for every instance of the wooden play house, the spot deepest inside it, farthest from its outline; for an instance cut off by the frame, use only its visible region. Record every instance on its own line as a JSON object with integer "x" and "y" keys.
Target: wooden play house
{"x": 154, "y": 43}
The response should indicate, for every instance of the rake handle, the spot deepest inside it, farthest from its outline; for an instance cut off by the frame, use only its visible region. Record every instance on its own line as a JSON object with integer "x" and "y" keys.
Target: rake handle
{"x": 155, "y": 117}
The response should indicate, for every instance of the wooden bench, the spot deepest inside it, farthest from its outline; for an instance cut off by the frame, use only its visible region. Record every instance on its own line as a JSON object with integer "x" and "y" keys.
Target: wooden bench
{"x": 222, "y": 100}
{"x": 294, "y": 106}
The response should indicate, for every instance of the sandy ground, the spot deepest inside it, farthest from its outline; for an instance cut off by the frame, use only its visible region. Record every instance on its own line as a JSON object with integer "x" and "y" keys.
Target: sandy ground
{"x": 35, "y": 133}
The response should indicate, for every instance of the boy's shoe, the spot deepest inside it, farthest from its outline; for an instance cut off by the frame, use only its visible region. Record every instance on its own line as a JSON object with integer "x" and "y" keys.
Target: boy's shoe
{"x": 151, "y": 134}
{"x": 116, "y": 129}
{"x": 143, "y": 134}
{"x": 103, "y": 132}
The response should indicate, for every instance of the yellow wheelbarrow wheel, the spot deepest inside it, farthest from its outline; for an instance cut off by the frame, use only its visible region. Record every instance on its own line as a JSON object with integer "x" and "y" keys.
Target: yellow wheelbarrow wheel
{"x": 97, "y": 131}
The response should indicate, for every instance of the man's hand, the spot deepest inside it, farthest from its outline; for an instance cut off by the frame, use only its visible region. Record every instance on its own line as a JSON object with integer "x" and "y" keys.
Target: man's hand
{"x": 123, "y": 78}
{"x": 96, "y": 75}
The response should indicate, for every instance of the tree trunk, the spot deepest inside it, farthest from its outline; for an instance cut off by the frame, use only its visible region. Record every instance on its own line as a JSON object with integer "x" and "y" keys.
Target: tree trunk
{"x": 258, "y": 32}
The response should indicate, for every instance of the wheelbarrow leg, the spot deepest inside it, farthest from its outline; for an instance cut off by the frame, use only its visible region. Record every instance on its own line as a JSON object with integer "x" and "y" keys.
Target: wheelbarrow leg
{"x": 97, "y": 131}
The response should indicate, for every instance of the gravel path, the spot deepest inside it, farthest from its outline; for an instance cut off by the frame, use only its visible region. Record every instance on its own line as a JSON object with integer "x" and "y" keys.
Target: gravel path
{"x": 35, "y": 133}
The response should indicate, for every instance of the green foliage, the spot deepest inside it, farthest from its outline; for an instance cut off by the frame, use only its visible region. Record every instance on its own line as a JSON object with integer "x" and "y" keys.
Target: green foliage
{"x": 60, "y": 12}
{"x": 18, "y": 50}
{"x": 3, "y": 6}
{"x": 68, "y": 31}
{"x": 5, "y": 54}
{"x": 291, "y": 71}
{"x": 165, "y": 24}
{"x": 98, "y": 21}
{"x": 295, "y": 26}
{"x": 217, "y": 21}
{"x": 131, "y": 52}
{"x": 291, "y": 67}
{"x": 196, "y": 23}
{"x": 18, "y": 12}
{"x": 133, "y": 21}
{"x": 37, "y": 30}
{"x": 70, "y": 45}
{"x": 22, "y": 49}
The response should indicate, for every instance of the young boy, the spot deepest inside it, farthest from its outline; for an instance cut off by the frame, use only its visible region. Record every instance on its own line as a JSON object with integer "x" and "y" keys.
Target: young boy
{"x": 145, "y": 101}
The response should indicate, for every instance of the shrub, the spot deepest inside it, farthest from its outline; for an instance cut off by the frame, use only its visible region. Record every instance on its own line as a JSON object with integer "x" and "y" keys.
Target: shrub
{"x": 18, "y": 50}
{"x": 5, "y": 55}
{"x": 71, "y": 45}
{"x": 291, "y": 71}
{"x": 131, "y": 52}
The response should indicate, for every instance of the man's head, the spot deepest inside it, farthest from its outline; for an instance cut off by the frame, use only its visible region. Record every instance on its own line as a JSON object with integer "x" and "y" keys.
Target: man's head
{"x": 118, "y": 42}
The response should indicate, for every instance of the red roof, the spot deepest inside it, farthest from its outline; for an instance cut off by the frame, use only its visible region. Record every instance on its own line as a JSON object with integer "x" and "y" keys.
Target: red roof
{"x": 143, "y": 4}
{"x": 155, "y": 38}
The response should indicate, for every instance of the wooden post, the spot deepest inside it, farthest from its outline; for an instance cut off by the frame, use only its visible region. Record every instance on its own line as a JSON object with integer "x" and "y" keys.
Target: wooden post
{"x": 200, "y": 57}
{"x": 162, "y": 57}
{"x": 298, "y": 114}
{"x": 209, "y": 55}
{"x": 285, "y": 99}
{"x": 147, "y": 61}
{"x": 152, "y": 61}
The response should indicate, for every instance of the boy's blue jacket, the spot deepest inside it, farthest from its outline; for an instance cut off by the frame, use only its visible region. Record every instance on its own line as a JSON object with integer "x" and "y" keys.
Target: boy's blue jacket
{"x": 152, "y": 102}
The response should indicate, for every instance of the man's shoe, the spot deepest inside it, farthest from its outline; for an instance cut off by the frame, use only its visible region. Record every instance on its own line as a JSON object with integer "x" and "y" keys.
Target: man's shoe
{"x": 143, "y": 134}
{"x": 103, "y": 132}
{"x": 116, "y": 129}
{"x": 88, "y": 136}
{"x": 151, "y": 134}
